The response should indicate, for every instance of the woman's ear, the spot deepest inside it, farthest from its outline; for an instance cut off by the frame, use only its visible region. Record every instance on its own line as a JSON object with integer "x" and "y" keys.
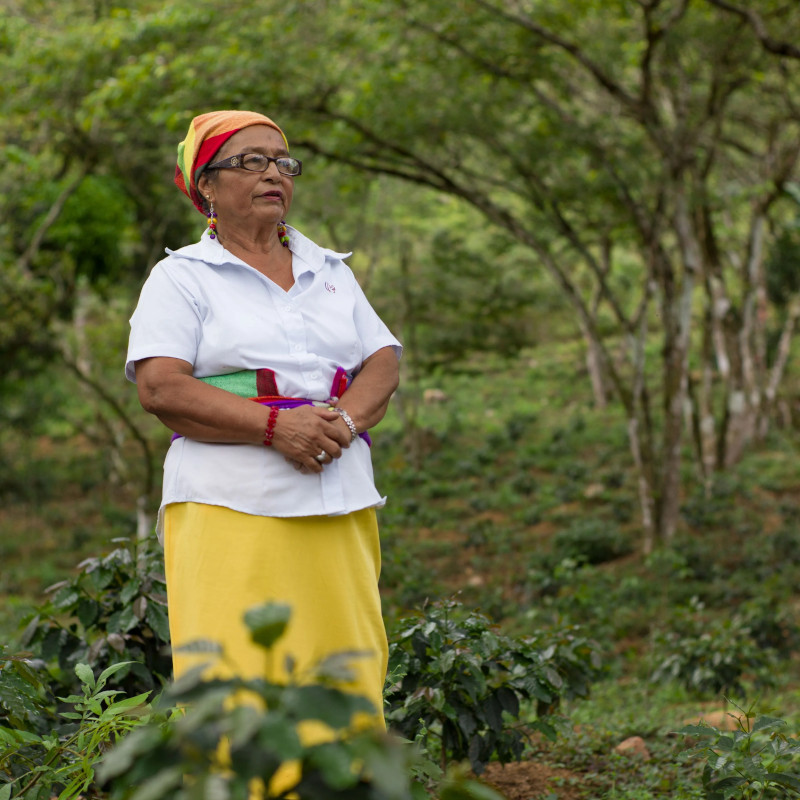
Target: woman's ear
{"x": 204, "y": 187}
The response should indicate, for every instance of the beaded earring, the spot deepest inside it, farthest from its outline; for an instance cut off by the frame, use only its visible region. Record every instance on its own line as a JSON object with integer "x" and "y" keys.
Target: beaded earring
{"x": 282, "y": 234}
{"x": 212, "y": 222}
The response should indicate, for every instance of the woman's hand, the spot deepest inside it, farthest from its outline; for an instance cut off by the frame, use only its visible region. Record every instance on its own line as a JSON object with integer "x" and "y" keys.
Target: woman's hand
{"x": 305, "y": 432}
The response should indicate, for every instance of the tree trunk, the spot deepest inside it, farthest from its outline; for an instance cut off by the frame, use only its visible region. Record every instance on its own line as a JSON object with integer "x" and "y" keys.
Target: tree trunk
{"x": 594, "y": 366}
{"x": 779, "y": 365}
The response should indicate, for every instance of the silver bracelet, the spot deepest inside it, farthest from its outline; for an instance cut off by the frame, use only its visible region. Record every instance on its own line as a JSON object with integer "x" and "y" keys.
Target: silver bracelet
{"x": 348, "y": 421}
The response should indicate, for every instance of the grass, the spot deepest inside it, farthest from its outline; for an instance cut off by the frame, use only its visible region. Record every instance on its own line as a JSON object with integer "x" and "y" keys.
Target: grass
{"x": 493, "y": 494}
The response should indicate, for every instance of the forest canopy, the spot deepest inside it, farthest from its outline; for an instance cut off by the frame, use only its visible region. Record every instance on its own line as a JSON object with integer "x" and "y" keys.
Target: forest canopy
{"x": 623, "y": 172}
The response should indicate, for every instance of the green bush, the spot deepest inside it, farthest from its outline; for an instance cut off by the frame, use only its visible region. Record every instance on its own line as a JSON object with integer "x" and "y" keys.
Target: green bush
{"x": 593, "y": 541}
{"x": 772, "y": 624}
{"x": 113, "y": 611}
{"x": 460, "y": 685}
{"x": 711, "y": 656}
{"x": 39, "y": 760}
{"x": 105, "y": 745}
{"x": 260, "y": 736}
{"x": 757, "y": 760}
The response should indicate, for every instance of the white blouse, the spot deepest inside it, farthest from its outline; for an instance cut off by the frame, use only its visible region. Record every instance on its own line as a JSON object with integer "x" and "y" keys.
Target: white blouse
{"x": 205, "y": 306}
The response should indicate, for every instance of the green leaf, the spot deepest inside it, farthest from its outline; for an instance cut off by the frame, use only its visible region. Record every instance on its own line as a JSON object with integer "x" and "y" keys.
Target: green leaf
{"x": 279, "y": 736}
{"x": 124, "y": 706}
{"x": 5, "y": 791}
{"x": 14, "y": 736}
{"x": 267, "y": 623}
{"x": 157, "y": 619}
{"x": 85, "y": 675}
{"x": 122, "y": 621}
{"x": 468, "y": 790}
{"x": 335, "y": 762}
{"x": 160, "y": 785}
{"x": 768, "y": 723}
{"x": 129, "y": 591}
{"x": 109, "y": 671}
{"x": 65, "y": 597}
{"x": 87, "y": 611}
{"x": 337, "y": 666}
{"x": 727, "y": 783}
{"x": 199, "y": 646}
{"x": 792, "y": 781}
{"x": 124, "y": 755}
{"x": 508, "y": 700}
{"x": 331, "y": 706}
{"x": 697, "y": 730}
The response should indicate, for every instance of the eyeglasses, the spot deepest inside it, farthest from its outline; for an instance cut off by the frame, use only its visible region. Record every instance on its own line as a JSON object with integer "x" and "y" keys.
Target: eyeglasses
{"x": 256, "y": 162}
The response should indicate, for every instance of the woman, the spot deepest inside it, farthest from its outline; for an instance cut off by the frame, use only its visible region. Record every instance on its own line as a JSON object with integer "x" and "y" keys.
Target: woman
{"x": 274, "y": 499}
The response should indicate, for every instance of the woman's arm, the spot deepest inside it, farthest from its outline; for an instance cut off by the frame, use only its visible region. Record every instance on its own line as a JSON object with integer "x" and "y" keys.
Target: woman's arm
{"x": 367, "y": 397}
{"x": 199, "y": 411}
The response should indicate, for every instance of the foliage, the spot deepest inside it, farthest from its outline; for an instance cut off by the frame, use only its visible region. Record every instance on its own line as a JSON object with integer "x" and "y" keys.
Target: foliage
{"x": 461, "y": 684}
{"x": 711, "y": 656}
{"x": 232, "y": 732}
{"x": 113, "y": 611}
{"x": 25, "y": 694}
{"x": 62, "y": 759}
{"x": 591, "y": 540}
{"x": 757, "y": 760}
{"x": 783, "y": 267}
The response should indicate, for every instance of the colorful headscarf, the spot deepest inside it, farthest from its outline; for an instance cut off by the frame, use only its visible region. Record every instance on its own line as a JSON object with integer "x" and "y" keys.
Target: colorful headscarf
{"x": 207, "y": 133}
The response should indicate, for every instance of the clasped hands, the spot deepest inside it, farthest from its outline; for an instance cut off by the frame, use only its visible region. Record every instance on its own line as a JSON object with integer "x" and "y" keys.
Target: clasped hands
{"x": 310, "y": 437}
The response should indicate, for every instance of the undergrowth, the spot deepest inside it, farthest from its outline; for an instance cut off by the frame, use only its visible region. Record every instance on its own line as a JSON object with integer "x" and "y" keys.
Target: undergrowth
{"x": 515, "y": 498}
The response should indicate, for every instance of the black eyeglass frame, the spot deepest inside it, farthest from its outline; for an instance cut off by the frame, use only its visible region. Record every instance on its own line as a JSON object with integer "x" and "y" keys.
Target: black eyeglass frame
{"x": 237, "y": 162}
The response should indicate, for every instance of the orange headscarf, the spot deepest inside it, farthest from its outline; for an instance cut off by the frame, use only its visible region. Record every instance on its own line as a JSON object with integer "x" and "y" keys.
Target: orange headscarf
{"x": 207, "y": 133}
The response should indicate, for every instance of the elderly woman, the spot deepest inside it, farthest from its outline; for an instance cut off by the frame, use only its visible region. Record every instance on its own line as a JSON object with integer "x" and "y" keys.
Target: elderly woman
{"x": 272, "y": 499}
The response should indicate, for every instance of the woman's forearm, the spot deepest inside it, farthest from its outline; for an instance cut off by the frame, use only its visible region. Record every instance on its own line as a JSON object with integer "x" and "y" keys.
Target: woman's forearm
{"x": 367, "y": 398}
{"x": 195, "y": 409}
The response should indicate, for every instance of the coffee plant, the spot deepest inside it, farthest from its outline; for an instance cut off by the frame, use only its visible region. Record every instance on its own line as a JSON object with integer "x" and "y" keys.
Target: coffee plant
{"x": 757, "y": 760}
{"x": 229, "y": 746}
{"x": 464, "y": 684}
{"x": 113, "y": 611}
{"x": 711, "y": 656}
{"x": 38, "y": 761}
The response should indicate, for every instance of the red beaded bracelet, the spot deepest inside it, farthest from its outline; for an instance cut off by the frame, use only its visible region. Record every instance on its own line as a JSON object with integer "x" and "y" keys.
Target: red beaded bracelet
{"x": 270, "y": 432}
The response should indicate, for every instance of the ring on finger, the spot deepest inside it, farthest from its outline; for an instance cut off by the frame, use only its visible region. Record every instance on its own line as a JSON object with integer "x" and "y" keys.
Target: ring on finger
{"x": 321, "y": 457}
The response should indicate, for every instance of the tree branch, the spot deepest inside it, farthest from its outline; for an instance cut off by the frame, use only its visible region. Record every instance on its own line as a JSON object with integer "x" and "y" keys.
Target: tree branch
{"x": 611, "y": 86}
{"x": 24, "y": 261}
{"x": 753, "y": 19}
{"x": 107, "y": 397}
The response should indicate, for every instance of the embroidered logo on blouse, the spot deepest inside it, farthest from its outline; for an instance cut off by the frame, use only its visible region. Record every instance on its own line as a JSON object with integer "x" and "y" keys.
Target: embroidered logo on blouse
{"x": 330, "y": 287}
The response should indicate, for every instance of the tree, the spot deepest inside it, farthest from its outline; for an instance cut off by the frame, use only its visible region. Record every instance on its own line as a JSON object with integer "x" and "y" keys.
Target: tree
{"x": 657, "y": 133}
{"x": 639, "y": 150}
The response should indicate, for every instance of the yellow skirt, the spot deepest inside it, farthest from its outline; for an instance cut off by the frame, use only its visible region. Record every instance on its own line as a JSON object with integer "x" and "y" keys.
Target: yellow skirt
{"x": 219, "y": 563}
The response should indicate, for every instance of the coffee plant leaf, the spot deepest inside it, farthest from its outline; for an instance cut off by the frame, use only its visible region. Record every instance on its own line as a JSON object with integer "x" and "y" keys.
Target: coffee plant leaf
{"x": 267, "y": 622}
{"x": 323, "y": 703}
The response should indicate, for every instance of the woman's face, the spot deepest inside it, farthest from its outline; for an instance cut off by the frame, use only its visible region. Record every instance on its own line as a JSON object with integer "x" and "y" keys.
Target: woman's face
{"x": 244, "y": 199}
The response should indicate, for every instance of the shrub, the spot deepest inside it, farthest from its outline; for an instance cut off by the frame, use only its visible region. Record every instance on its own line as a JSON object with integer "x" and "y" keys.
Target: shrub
{"x": 260, "y": 737}
{"x": 36, "y": 764}
{"x": 460, "y": 683}
{"x": 114, "y": 611}
{"x": 772, "y": 625}
{"x": 757, "y": 760}
{"x": 709, "y": 656}
{"x": 594, "y": 541}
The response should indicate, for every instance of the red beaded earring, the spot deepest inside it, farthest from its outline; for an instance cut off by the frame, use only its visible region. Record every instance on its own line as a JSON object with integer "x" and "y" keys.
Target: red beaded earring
{"x": 282, "y": 234}
{"x": 212, "y": 222}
